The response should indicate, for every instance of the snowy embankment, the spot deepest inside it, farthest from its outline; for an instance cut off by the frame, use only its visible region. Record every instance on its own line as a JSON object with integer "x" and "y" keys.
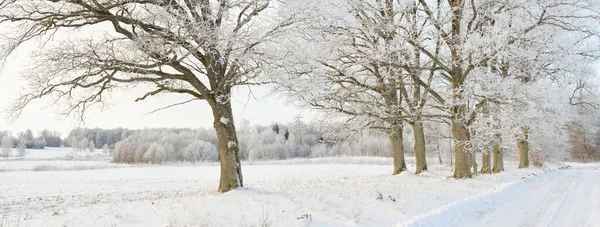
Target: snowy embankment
{"x": 275, "y": 193}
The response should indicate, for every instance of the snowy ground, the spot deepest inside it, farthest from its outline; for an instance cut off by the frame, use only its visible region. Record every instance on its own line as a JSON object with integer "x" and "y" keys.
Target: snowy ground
{"x": 52, "y": 153}
{"x": 280, "y": 193}
{"x": 564, "y": 197}
{"x": 56, "y": 159}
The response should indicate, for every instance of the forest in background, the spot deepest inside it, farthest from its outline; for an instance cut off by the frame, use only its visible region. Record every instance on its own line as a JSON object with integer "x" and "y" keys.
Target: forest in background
{"x": 276, "y": 142}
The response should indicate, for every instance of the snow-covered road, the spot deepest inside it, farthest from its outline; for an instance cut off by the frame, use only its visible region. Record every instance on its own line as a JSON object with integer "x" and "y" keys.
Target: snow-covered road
{"x": 565, "y": 197}
{"x": 562, "y": 198}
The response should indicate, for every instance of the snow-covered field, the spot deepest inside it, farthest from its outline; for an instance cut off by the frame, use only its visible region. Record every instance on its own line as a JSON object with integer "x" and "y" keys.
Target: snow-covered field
{"x": 56, "y": 159}
{"x": 298, "y": 193}
{"x": 58, "y": 154}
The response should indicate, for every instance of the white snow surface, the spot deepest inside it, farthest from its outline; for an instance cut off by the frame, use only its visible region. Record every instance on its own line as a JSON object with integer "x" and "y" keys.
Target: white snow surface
{"x": 224, "y": 120}
{"x": 565, "y": 197}
{"x": 56, "y": 153}
{"x": 280, "y": 193}
{"x": 231, "y": 144}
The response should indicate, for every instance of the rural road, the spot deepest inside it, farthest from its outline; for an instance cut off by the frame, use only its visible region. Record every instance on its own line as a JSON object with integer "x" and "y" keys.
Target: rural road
{"x": 567, "y": 197}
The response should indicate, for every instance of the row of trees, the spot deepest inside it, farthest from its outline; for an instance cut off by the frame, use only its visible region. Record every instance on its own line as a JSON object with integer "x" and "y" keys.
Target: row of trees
{"x": 78, "y": 139}
{"x": 81, "y": 138}
{"x": 166, "y": 145}
{"x": 26, "y": 138}
{"x": 584, "y": 137}
{"x": 476, "y": 65}
{"x": 276, "y": 142}
{"x": 495, "y": 71}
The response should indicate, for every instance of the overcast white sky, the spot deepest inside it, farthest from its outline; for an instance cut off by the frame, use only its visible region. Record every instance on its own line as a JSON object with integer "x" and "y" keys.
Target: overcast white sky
{"x": 124, "y": 112}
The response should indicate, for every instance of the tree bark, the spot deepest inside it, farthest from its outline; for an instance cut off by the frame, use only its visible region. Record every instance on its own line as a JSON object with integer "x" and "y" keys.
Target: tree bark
{"x": 439, "y": 152}
{"x": 498, "y": 158}
{"x": 227, "y": 144}
{"x": 460, "y": 131}
{"x": 486, "y": 162}
{"x": 473, "y": 161}
{"x": 462, "y": 158}
{"x": 420, "y": 156}
{"x": 396, "y": 138}
{"x": 523, "y": 153}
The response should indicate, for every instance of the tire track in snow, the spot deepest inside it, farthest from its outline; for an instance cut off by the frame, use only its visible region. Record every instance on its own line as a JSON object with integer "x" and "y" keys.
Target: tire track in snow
{"x": 546, "y": 205}
{"x": 581, "y": 204}
{"x": 482, "y": 207}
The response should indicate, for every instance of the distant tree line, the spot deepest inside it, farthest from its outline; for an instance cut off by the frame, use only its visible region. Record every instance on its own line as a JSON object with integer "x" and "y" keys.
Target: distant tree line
{"x": 26, "y": 139}
{"x": 96, "y": 138}
{"x": 167, "y": 145}
{"x": 274, "y": 142}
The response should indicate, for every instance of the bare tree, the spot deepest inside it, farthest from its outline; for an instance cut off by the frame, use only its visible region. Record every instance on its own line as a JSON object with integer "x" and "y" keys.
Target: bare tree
{"x": 201, "y": 49}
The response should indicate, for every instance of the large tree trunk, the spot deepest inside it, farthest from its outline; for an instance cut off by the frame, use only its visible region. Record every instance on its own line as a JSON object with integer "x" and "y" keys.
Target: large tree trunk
{"x": 473, "y": 161}
{"x": 498, "y": 158}
{"x": 420, "y": 157}
{"x": 227, "y": 143}
{"x": 462, "y": 167}
{"x": 486, "y": 162}
{"x": 460, "y": 132}
{"x": 523, "y": 153}
{"x": 397, "y": 148}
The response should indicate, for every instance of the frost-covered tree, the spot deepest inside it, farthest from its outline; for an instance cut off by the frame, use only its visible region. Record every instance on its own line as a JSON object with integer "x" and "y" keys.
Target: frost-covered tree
{"x": 167, "y": 145}
{"x": 200, "y": 151}
{"x": 354, "y": 58}
{"x": 22, "y": 147}
{"x": 198, "y": 49}
{"x": 101, "y": 139}
{"x": 545, "y": 49}
{"x": 440, "y": 49}
{"x": 6, "y": 145}
{"x": 583, "y": 132}
{"x": 158, "y": 153}
{"x": 91, "y": 147}
{"x": 83, "y": 144}
{"x": 102, "y": 136}
{"x": 267, "y": 144}
{"x": 52, "y": 138}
